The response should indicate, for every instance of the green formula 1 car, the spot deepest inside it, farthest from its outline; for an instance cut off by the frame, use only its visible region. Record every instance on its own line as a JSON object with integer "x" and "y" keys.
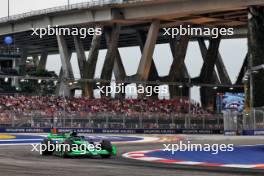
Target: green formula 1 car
{"x": 71, "y": 144}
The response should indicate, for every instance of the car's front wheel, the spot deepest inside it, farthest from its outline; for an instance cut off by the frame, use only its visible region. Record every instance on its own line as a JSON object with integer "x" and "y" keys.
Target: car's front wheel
{"x": 67, "y": 148}
{"x": 106, "y": 145}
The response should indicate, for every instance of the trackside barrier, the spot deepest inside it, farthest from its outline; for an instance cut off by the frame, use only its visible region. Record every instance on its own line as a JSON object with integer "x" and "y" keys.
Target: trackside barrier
{"x": 258, "y": 132}
{"x": 131, "y": 131}
{"x": 113, "y": 131}
{"x": 245, "y": 132}
{"x": 230, "y": 132}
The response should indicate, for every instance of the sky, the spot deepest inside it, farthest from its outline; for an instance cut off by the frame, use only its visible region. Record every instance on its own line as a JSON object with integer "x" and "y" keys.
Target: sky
{"x": 233, "y": 51}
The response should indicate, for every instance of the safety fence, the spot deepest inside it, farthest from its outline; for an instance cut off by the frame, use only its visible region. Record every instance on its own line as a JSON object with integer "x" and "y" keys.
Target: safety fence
{"x": 254, "y": 120}
{"x": 103, "y": 120}
{"x": 251, "y": 123}
{"x": 258, "y": 119}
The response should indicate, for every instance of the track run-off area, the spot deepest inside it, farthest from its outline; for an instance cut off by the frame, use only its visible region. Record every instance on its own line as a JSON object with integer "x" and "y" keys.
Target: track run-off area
{"x": 137, "y": 155}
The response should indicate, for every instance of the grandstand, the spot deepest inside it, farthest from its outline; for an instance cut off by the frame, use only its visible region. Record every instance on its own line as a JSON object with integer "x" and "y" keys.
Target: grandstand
{"x": 47, "y": 111}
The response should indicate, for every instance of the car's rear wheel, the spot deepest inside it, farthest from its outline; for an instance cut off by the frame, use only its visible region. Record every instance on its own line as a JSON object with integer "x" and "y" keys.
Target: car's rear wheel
{"x": 106, "y": 145}
{"x": 45, "y": 146}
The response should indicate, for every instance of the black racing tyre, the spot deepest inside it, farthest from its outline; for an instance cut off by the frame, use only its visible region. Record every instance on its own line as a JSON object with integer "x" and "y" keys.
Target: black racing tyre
{"x": 67, "y": 149}
{"x": 105, "y": 156}
{"x": 106, "y": 145}
{"x": 44, "y": 147}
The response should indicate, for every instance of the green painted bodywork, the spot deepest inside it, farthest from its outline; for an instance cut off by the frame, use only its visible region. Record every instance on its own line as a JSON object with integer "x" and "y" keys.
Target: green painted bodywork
{"x": 62, "y": 137}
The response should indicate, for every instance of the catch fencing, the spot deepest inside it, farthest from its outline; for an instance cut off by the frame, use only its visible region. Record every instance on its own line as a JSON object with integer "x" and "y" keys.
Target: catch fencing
{"x": 104, "y": 120}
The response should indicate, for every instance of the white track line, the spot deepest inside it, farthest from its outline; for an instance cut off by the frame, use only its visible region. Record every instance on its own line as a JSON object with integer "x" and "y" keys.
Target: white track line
{"x": 143, "y": 139}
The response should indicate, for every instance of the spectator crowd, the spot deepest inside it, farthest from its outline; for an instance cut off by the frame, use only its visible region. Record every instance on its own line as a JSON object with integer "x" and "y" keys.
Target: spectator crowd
{"x": 52, "y": 105}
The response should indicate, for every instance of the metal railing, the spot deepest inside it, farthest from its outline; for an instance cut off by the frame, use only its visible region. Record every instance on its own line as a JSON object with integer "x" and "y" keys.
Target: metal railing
{"x": 258, "y": 119}
{"x": 235, "y": 121}
{"x": 104, "y": 120}
{"x": 77, "y": 6}
{"x": 9, "y": 52}
{"x": 254, "y": 121}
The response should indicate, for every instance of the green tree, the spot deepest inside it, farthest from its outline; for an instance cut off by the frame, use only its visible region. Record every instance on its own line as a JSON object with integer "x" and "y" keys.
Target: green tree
{"x": 39, "y": 87}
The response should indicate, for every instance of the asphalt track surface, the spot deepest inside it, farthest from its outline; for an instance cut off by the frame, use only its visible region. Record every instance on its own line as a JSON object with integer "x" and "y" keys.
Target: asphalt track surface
{"x": 19, "y": 160}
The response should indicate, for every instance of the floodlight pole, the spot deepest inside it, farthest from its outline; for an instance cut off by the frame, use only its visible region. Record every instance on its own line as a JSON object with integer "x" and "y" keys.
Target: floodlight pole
{"x": 64, "y": 108}
{"x": 190, "y": 102}
{"x": 251, "y": 92}
{"x": 8, "y": 8}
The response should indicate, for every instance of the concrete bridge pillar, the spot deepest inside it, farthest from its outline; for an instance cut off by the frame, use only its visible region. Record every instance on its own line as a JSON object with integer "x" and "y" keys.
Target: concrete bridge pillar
{"x": 204, "y": 51}
{"x": 178, "y": 71}
{"x": 119, "y": 70}
{"x": 242, "y": 72}
{"x": 90, "y": 65}
{"x": 111, "y": 54}
{"x": 222, "y": 72}
{"x": 208, "y": 73}
{"x": 256, "y": 52}
{"x": 61, "y": 78}
{"x": 43, "y": 61}
{"x": 146, "y": 66}
{"x": 35, "y": 59}
{"x": 80, "y": 52}
{"x": 81, "y": 58}
{"x": 147, "y": 54}
{"x": 153, "y": 73}
{"x": 67, "y": 74}
{"x": 23, "y": 61}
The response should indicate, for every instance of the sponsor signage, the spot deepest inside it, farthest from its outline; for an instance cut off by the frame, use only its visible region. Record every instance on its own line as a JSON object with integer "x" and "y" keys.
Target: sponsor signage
{"x": 112, "y": 131}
